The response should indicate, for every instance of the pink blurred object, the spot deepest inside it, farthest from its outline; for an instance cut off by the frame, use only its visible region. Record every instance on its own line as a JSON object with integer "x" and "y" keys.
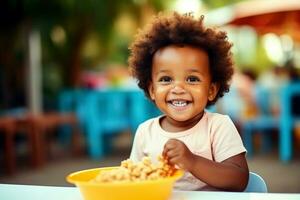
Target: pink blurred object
{"x": 94, "y": 80}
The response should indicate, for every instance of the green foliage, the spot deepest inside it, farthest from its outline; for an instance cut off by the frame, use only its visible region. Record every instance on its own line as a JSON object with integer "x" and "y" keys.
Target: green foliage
{"x": 219, "y": 3}
{"x": 78, "y": 19}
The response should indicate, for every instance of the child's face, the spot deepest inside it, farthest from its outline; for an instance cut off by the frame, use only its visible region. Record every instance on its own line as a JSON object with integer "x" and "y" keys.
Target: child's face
{"x": 181, "y": 83}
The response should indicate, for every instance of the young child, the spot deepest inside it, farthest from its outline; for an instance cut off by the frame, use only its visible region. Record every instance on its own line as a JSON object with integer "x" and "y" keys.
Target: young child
{"x": 184, "y": 67}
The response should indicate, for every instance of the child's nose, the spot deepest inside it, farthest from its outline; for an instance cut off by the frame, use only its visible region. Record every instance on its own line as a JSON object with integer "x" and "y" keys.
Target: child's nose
{"x": 178, "y": 89}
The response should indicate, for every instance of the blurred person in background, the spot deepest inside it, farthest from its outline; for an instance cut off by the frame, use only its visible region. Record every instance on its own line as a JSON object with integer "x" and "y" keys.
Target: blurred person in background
{"x": 240, "y": 102}
{"x": 245, "y": 84}
{"x": 184, "y": 67}
{"x": 273, "y": 81}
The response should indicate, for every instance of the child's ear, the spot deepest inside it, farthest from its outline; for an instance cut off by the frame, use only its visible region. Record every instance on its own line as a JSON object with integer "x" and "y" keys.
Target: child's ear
{"x": 213, "y": 91}
{"x": 151, "y": 91}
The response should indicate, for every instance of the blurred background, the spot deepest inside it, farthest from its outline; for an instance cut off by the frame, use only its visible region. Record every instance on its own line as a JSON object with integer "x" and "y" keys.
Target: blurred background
{"x": 67, "y": 101}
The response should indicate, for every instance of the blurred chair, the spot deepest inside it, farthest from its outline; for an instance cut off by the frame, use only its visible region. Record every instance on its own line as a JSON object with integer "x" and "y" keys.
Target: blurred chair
{"x": 107, "y": 114}
{"x": 256, "y": 184}
{"x": 35, "y": 127}
{"x": 13, "y": 122}
{"x": 8, "y": 127}
{"x": 73, "y": 102}
{"x": 39, "y": 125}
{"x": 262, "y": 123}
{"x": 141, "y": 109}
{"x": 288, "y": 120}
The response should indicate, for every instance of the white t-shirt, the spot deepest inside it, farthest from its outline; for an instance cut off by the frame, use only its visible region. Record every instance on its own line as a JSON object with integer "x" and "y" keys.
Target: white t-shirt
{"x": 214, "y": 137}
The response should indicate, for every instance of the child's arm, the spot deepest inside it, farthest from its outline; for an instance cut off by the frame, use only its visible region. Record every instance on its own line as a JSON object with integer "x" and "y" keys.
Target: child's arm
{"x": 231, "y": 174}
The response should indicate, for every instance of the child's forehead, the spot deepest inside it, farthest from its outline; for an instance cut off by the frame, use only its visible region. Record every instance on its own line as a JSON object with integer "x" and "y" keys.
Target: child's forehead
{"x": 180, "y": 58}
{"x": 177, "y": 48}
{"x": 175, "y": 51}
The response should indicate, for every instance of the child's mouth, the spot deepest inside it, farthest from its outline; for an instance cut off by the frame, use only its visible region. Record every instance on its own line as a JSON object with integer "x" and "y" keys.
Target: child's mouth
{"x": 179, "y": 104}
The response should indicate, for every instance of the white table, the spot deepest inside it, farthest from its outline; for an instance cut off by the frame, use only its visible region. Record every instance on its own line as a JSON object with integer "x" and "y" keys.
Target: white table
{"x": 33, "y": 192}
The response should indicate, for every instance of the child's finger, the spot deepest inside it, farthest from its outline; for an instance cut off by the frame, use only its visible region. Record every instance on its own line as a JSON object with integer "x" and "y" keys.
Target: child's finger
{"x": 174, "y": 161}
{"x": 164, "y": 153}
{"x": 172, "y": 153}
{"x": 170, "y": 145}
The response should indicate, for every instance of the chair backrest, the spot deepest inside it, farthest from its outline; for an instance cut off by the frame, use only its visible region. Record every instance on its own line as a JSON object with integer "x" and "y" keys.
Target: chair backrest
{"x": 73, "y": 100}
{"x": 290, "y": 115}
{"x": 256, "y": 184}
{"x": 140, "y": 109}
{"x": 263, "y": 100}
{"x": 108, "y": 109}
{"x": 289, "y": 96}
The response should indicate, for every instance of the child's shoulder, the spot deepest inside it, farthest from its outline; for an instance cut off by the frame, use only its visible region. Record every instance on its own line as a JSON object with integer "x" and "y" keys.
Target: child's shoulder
{"x": 150, "y": 123}
{"x": 219, "y": 123}
{"x": 216, "y": 117}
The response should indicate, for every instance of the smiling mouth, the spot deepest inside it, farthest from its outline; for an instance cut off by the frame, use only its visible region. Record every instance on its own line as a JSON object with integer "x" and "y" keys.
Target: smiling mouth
{"x": 179, "y": 103}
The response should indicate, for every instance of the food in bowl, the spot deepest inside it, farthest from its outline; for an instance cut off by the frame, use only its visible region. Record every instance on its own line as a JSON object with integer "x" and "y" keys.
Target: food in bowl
{"x": 92, "y": 188}
{"x": 144, "y": 170}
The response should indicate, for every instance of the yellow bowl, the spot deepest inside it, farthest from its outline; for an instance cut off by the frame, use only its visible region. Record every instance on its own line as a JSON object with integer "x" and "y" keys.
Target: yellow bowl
{"x": 159, "y": 189}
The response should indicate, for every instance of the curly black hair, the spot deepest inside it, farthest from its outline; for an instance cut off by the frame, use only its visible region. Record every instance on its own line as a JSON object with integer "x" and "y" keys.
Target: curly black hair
{"x": 180, "y": 29}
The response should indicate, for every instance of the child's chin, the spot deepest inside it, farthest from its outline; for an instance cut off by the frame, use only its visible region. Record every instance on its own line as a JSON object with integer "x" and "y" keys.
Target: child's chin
{"x": 180, "y": 118}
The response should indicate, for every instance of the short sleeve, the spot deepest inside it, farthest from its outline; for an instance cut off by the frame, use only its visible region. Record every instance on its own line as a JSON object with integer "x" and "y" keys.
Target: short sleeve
{"x": 225, "y": 139}
{"x": 136, "y": 150}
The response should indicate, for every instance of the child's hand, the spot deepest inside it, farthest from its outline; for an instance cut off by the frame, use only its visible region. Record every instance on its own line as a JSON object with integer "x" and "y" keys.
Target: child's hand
{"x": 177, "y": 153}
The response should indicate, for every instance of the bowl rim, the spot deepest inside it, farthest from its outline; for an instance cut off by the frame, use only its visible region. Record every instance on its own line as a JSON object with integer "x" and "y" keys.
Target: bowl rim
{"x": 178, "y": 174}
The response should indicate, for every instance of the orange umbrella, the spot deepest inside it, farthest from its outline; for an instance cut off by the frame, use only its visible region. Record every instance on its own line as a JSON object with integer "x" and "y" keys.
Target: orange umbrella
{"x": 268, "y": 16}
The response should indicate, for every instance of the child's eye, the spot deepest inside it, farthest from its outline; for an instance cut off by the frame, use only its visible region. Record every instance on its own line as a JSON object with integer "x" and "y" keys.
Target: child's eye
{"x": 192, "y": 79}
{"x": 165, "y": 79}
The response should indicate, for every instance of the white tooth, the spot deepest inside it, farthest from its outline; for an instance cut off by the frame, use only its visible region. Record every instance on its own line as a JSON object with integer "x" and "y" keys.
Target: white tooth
{"x": 179, "y": 103}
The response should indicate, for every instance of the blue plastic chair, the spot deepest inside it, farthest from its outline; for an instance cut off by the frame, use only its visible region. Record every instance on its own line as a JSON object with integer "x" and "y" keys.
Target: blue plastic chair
{"x": 264, "y": 122}
{"x": 72, "y": 101}
{"x": 287, "y": 120}
{"x": 256, "y": 184}
{"x": 107, "y": 114}
{"x": 140, "y": 109}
